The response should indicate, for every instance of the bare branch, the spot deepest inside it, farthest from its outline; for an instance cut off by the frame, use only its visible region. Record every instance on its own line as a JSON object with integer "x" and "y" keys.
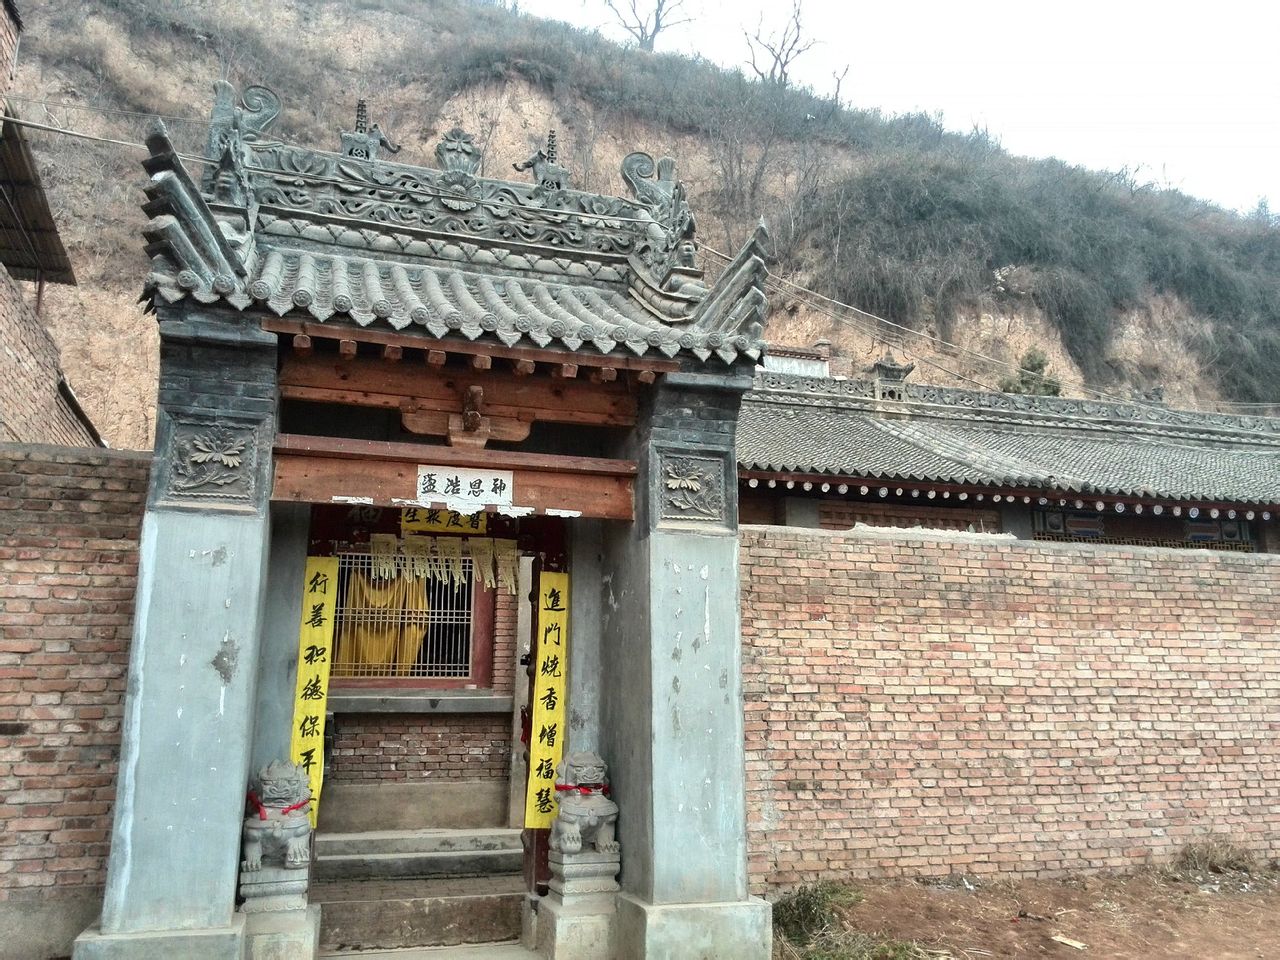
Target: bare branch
{"x": 771, "y": 57}
{"x": 644, "y": 23}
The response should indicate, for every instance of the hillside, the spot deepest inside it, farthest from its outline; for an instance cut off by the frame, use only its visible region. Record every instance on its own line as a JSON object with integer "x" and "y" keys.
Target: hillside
{"x": 1123, "y": 286}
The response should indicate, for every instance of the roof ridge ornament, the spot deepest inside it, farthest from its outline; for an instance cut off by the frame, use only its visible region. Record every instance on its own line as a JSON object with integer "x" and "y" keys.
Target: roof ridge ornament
{"x": 890, "y": 375}
{"x": 736, "y": 308}
{"x": 668, "y": 252}
{"x": 191, "y": 250}
{"x": 889, "y": 368}
{"x": 365, "y": 142}
{"x": 547, "y": 174}
{"x": 456, "y": 152}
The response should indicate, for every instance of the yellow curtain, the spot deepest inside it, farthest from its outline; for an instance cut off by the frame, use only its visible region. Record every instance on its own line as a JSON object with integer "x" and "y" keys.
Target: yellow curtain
{"x": 415, "y": 607}
{"x": 370, "y": 635}
{"x": 386, "y": 624}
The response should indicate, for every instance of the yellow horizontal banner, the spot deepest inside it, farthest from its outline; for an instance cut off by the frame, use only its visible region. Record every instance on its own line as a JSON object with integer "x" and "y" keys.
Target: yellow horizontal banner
{"x": 425, "y": 520}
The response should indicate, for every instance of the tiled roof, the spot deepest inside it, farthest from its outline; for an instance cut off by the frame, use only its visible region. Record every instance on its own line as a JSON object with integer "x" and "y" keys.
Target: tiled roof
{"x": 441, "y": 302}
{"x": 444, "y": 253}
{"x": 832, "y": 427}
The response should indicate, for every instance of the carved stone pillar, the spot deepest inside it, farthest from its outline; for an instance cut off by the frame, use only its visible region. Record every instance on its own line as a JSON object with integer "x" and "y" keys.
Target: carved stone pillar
{"x": 188, "y": 714}
{"x": 671, "y": 705}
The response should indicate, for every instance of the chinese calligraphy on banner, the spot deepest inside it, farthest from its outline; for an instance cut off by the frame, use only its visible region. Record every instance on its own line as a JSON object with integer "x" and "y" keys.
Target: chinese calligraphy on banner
{"x": 546, "y": 735}
{"x": 425, "y": 520}
{"x": 315, "y": 644}
{"x": 464, "y": 490}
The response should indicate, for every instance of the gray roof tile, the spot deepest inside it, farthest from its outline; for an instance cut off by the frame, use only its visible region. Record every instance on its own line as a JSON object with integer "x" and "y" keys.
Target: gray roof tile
{"x": 814, "y": 426}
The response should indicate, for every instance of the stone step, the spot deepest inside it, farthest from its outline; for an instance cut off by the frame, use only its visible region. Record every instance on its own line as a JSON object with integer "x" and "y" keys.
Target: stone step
{"x": 417, "y": 853}
{"x": 484, "y": 951}
{"x": 394, "y": 914}
{"x": 417, "y": 841}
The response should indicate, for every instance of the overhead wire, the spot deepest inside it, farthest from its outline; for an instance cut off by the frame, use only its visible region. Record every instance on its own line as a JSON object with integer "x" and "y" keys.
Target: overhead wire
{"x": 108, "y": 111}
{"x": 780, "y": 284}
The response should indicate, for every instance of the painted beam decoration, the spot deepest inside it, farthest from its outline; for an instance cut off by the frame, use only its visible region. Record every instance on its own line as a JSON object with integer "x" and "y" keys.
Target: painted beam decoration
{"x": 311, "y": 696}
{"x": 546, "y": 733}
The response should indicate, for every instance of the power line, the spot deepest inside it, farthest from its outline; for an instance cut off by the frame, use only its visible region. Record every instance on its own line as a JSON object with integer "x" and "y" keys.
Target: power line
{"x": 779, "y": 283}
{"x": 108, "y": 111}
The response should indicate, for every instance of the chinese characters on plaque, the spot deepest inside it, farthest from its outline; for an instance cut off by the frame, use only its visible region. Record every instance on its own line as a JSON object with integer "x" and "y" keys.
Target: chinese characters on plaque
{"x": 462, "y": 490}
{"x": 315, "y": 646}
{"x": 429, "y": 520}
{"x": 546, "y": 735}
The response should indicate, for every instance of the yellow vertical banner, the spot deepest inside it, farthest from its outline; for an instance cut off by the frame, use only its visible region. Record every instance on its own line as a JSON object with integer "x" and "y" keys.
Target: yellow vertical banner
{"x": 315, "y": 654}
{"x": 546, "y": 733}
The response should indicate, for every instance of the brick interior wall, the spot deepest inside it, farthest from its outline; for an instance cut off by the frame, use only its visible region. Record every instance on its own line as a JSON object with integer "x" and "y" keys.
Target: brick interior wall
{"x": 400, "y": 747}
{"x": 8, "y": 45}
{"x": 931, "y": 703}
{"x": 843, "y": 514}
{"x": 31, "y": 408}
{"x": 369, "y": 748}
{"x": 68, "y": 563}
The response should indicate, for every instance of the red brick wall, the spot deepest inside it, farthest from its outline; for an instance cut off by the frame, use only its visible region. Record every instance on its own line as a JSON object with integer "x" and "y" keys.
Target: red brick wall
{"x": 923, "y": 703}
{"x": 8, "y": 45}
{"x": 31, "y": 408}
{"x": 68, "y": 562}
{"x": 843, "y": 514}
{"x": 372, "y": 747}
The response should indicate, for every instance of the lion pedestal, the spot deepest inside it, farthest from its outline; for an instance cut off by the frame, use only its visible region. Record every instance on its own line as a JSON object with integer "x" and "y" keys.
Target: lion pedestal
{"x": 279, "y": 924}
{"x": 575, "y": 920}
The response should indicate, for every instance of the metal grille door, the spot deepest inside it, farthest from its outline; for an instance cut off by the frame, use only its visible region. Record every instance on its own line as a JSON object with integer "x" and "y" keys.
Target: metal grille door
{"x": 399, "y": 626}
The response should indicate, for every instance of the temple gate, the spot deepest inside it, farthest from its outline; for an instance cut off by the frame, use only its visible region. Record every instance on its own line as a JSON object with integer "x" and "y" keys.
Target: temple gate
{"x": 341, "y": 332}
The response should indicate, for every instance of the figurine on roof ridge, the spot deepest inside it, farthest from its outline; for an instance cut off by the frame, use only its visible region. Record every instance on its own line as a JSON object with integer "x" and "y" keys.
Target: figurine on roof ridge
{"x": 365, "y": 141}
{"x": 547, "y": 174}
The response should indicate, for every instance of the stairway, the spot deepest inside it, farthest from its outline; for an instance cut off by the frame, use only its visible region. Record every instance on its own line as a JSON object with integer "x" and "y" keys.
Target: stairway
{"x": 391, "y": 854}
{"x": 391, "y": 889}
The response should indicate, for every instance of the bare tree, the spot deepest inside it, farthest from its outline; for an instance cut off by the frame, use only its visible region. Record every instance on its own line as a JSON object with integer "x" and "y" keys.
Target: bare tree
{"x": 644, "y": 21}
{"x": 770, "y": 57}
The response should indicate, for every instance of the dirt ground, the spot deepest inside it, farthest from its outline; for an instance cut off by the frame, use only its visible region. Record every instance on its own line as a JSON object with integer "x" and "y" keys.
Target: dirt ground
{"x": 1143, "y": 917}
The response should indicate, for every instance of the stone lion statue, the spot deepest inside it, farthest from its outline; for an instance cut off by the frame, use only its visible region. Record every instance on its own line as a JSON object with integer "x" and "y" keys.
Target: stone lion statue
{"x": 587, "y": 816}
{"x": 277, "y": 828}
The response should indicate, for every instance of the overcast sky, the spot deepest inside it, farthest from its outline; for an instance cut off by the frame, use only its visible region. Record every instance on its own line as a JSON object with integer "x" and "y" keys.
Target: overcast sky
{"x": 1186, "y": 94}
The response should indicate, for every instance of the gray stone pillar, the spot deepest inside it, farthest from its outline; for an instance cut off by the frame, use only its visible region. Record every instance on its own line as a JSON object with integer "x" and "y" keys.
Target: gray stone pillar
{"x": 188, "y": 715}
{"x": 278, "y": 658}
{"x": 671, "y": 704}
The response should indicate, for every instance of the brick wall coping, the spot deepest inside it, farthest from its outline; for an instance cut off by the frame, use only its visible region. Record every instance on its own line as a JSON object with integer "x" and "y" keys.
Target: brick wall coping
{"x": 764, "y": 532}
{"x": 55, "y": 453}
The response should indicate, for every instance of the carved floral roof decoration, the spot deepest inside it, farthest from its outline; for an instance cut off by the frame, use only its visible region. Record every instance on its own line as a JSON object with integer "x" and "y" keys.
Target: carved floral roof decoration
{"x": 336, "y": 237}
{"x": 827, "y": 426}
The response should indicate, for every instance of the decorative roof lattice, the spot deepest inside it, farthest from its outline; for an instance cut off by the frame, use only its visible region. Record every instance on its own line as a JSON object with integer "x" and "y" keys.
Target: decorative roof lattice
{"x": 351, "y": 238}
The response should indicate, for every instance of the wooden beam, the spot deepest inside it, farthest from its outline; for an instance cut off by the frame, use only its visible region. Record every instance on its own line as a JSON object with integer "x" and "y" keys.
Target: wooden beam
{"x": 302, "y": 345}
{"x": 645, "y": 376}
{"x": 369, "y": 383}
{"x": 385, "y": 474}
{"x": 604, "y": 375}
{"x": 481, "y": 362}
{"x": 342, "y": 448}
{"x": 564, "y": 371}
{"x": 392, "y": 352}
{"x": 347, "y": 349}
{"x": 586, "y": 358}
{"x": 522, "y": 368}
{"x": 435, "y": 358}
